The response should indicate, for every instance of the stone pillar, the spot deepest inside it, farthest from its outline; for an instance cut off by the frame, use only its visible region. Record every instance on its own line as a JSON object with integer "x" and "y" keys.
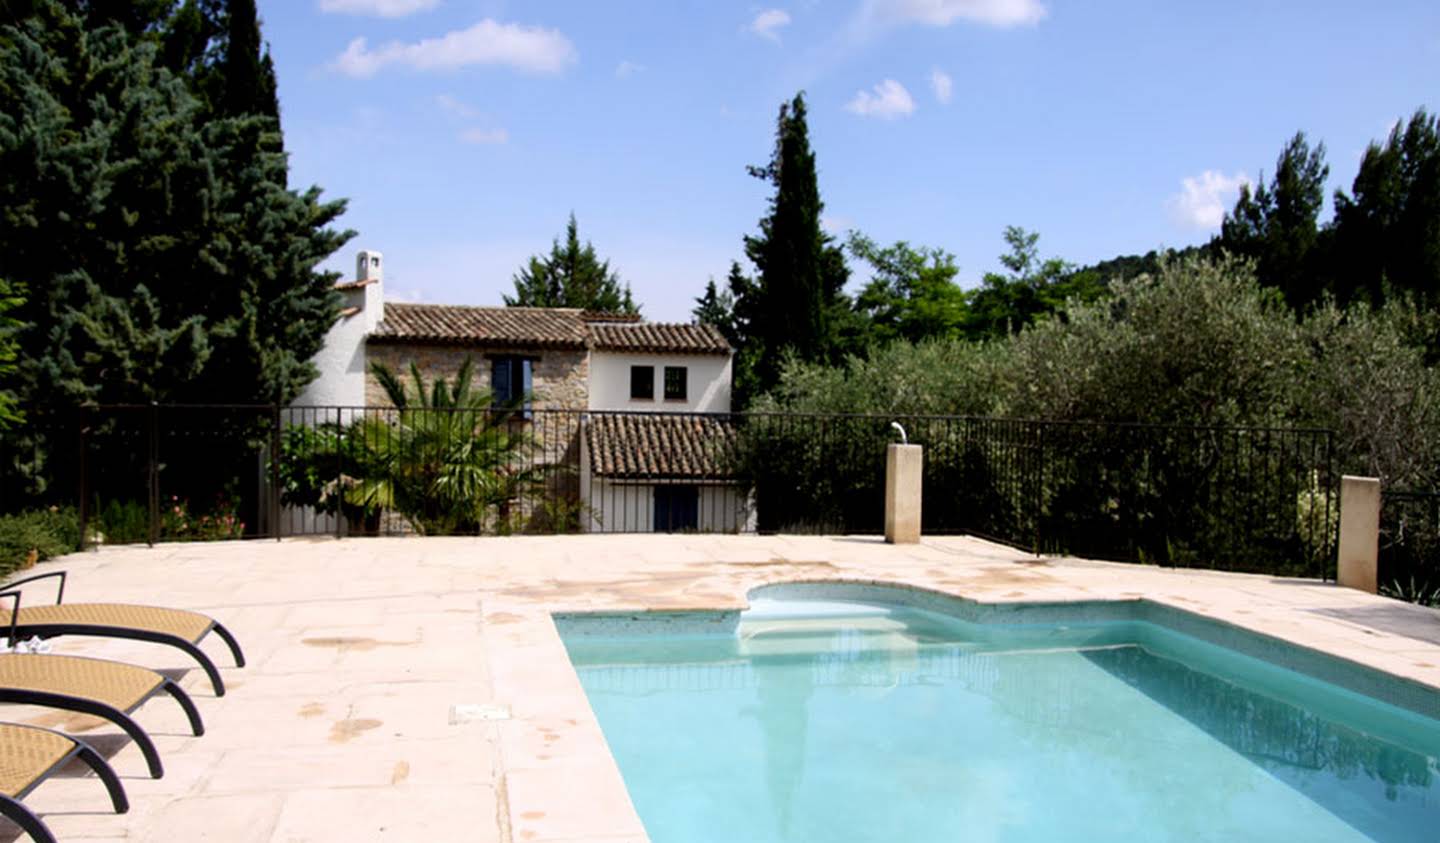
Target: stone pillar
{"x": 1359, "y": 533}
{"x": 904, "y": 465}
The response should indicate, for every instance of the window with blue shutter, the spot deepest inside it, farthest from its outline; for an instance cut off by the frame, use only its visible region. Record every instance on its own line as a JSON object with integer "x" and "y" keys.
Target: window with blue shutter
{"x": 512, "y": 382}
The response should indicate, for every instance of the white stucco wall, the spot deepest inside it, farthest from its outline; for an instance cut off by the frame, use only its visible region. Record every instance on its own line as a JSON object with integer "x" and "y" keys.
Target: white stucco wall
{"x": 341, "y": 363}
{"x": 707, "y": 388}
{"x": 630, "y": 508}
{"x": 342, "y": 360}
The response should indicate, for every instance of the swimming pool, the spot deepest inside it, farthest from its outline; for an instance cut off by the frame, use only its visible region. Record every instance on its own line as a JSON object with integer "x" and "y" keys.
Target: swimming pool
{"x": 848, "y": 713}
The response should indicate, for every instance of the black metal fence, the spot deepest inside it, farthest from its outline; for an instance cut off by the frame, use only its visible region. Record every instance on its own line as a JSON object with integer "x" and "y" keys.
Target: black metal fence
{"x": 1410, "y": 545}
{"x": 1231, "y": 498}
{"x": 1253, "y": 499}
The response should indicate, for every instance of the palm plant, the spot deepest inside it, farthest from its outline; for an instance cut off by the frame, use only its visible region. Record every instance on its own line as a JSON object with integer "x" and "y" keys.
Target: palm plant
{"x": 445, "y": 459}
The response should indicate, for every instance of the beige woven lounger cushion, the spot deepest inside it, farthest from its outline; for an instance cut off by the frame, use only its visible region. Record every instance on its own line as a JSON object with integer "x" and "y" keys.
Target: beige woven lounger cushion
{"x": 178, "y": 622}
{"x": 116, "y": 684}
{"x": 27, "y": 754}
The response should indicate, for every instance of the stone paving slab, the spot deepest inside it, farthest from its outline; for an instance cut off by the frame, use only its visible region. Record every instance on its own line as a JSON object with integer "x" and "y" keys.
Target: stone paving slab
{"x": 416, "y": 689}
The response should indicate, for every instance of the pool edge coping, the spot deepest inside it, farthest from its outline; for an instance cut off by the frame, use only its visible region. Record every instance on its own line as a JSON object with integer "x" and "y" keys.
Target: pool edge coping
{"x": 1404, "y": 692}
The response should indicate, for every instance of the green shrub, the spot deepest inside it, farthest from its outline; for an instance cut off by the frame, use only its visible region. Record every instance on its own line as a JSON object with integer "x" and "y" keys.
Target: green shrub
{"x": 121, "y": 522}
{"x": 128, "y": 522}
{"x": 47, "y": 532}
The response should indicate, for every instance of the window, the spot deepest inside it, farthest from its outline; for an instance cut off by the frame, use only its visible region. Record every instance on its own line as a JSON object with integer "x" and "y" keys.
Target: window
{"x": 510, "y": 382}
{"x": 642, "y": 382}
{"x": 675, "y": 383}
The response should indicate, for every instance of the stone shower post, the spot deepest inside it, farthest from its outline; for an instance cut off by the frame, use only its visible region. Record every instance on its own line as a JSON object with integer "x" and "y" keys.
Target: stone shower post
{"x": 904, "y": 467}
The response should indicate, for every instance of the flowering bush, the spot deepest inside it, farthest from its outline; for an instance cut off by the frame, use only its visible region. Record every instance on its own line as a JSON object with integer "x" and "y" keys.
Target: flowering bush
{"x": 178, "y": 523}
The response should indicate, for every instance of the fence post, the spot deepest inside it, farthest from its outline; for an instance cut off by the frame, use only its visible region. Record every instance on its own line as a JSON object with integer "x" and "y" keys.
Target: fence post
{"x": 1039, "y": 502}
{"x": 1359, "y": 533}
{"x": 904, "y": 468}
{"x": 275, "y": 469}
{"x": 339, "y": 470}
{"x": 80, "y": 469}
{"x": 154, "y": 472}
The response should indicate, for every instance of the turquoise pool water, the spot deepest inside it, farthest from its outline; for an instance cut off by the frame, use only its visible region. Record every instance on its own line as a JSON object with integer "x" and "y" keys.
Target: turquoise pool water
{"x": 826, "y": 720}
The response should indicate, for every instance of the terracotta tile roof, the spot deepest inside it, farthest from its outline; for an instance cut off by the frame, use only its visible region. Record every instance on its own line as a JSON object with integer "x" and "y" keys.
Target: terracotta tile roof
{"x": 607, "y": 316}
{"x": 355, "y": 285}
{"x": 660, "y": 338}
{"x": 541, "y": 327}
{"x": 658, "y": 447}
{"x": 531, "y": 327}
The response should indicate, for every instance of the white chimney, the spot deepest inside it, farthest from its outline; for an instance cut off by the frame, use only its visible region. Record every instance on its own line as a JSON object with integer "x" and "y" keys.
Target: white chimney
{"x": 369, "y": 264}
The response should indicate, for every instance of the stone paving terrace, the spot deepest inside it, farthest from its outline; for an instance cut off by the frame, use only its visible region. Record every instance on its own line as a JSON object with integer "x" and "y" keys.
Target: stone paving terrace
{"x": 375, "y": 664}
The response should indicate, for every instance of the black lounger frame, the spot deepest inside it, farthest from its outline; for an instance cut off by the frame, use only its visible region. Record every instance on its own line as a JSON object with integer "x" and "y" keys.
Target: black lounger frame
{"x": 12, "y": 809}
{"x": 51, "y": 630}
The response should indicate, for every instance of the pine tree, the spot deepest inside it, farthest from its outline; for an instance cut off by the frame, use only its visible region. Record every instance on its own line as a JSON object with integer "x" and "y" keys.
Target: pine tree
{"x": 571, "y": 276}
{"x": 1276, "y": 224}
{"x": 797, "y": 303}
{"x": 717, "y": 307}
{"x": 1387, "y": 230}
{"x": 11, "y": 298}
{"x": 188, "y": 272}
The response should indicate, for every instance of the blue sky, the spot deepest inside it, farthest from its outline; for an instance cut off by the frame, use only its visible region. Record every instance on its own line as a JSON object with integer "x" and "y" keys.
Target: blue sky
{"x": 463, "y": 132}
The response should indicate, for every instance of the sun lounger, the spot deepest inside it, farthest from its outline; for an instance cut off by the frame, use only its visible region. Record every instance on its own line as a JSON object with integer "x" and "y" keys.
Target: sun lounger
{"x": 28, "y": 756}
{"x": 175, "y": 627}
{"x": 92, "y": 686}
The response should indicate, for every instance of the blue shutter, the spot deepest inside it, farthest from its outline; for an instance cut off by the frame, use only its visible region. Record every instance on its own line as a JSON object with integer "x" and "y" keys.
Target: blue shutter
{"x": 525, "y": 380}
{"x": 500, "y": 381}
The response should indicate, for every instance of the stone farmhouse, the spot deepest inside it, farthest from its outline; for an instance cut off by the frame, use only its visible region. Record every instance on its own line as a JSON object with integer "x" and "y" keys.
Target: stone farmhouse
{"x": 600, "y": 393}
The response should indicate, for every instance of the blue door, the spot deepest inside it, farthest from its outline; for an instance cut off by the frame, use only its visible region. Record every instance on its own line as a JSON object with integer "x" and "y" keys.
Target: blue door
{"x": 677, "y": 508}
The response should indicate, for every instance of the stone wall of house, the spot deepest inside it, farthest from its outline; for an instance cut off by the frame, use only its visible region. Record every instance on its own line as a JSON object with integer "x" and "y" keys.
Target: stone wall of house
{"x": 560, "y": 379}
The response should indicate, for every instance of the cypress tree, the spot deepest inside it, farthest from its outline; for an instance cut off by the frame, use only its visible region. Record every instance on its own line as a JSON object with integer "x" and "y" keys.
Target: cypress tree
{"x": 795, "y": 304}
{"x": 245, "y": 90}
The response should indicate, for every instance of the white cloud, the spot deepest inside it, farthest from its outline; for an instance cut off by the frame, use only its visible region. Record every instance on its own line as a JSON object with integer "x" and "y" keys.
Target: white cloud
{"x": 887, "y": 100}
{"x": 456, "y": 107}
{"x": 378, "y": 8}
{"x": 485, "y": 136}
{"x": 627, "y": 68}
{"x": 836, "y": 225}
{"x": 1203, "y": 199}
{"x": 1000, "y": 13}
{"x": 526, "y": 48}
{"x": 942, "y": 85}
{"x": 767, "y": 24}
